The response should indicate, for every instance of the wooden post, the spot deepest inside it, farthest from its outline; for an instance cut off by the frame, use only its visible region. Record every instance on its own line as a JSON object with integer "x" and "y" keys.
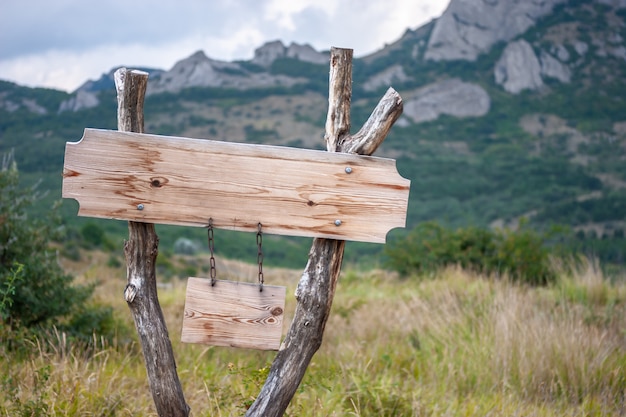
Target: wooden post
{"x": 316, "y": 289}
{"x": 141, "y": 251}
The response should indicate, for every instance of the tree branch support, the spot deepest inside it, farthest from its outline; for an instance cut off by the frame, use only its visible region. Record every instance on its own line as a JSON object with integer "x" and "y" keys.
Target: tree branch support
{"x": 316, "y": 289}
{"x": 141, "y": 251}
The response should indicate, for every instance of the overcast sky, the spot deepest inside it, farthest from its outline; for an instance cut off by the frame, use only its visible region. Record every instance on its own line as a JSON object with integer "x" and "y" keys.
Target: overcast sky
{"x": 62, "y": 43}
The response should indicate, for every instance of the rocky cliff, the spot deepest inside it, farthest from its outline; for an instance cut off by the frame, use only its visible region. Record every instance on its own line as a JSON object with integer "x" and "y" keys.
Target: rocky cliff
{"x": 469, "y": 28}
{"x": 200, "y": 71}
{"x": 271, "y": 51}
{"x": 451, "y": 97}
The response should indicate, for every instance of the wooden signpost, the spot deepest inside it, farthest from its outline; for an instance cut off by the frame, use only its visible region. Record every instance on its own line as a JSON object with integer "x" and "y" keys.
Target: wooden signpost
{"x": 332, "y": 196}
{"x": 289, "y": 191}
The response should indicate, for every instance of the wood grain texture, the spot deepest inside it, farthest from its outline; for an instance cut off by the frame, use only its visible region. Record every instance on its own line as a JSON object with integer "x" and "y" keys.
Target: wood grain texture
{"x": 184, "y": 181}
{"x": 141, "y": 251}
{"x": 234, "y": 314}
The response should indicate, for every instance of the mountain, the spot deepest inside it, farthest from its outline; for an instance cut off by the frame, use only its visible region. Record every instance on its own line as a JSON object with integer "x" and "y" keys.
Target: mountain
{"x": 469, "y": 28}
{"x": 512, "y": 110}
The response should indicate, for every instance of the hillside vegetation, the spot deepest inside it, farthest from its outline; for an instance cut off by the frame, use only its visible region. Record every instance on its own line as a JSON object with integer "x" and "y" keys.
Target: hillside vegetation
{"x": 449, "y": 344}
{"x": 553, "y": 155}
{"x": 437, "y": 340}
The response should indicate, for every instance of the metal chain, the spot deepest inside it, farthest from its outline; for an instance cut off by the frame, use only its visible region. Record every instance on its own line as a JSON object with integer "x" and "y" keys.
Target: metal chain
{"x": 259, "y": 257}
{"x": 212, "y": 250}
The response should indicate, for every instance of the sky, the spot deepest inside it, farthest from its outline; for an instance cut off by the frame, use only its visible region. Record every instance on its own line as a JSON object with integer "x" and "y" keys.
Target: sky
{"x": 62, "y": 43}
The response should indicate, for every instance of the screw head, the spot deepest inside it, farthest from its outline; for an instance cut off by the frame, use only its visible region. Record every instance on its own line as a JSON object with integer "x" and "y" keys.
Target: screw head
{"x": 337, "y": 222}
{"x": 139, "y": 206}
{"x": 348, "y": 170}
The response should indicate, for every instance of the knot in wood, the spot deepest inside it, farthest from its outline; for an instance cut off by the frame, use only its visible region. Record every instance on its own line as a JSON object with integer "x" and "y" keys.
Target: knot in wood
{"x": 129, "y": 293}
{"x": 158, "y": 182}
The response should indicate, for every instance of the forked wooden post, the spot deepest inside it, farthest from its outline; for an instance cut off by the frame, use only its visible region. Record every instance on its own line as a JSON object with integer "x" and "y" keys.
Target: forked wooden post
{"x": 141, "y": 251}
{"x": 316, "y": 289}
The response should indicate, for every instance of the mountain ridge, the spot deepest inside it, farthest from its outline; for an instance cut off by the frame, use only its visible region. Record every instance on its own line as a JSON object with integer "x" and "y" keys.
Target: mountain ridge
{"x": 533, "y": 127}
{"x": 466, "y": 29}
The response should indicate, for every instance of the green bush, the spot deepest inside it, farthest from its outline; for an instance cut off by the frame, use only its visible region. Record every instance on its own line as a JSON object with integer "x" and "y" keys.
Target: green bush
{"x": 7, "y": 291}
{"x": 523, "y": 254}
{"x": 36, "y": 292}
{"x": 92, "y": 234}
{"x": 88, "y": 319}
{"x": 71, "y": 251}
{"x": 165, "y": 266}
{"x": 114, "y": 262}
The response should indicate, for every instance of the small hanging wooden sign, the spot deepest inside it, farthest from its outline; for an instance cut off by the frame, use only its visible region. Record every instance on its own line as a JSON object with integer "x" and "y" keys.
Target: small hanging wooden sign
{"x": 233, "y": 314}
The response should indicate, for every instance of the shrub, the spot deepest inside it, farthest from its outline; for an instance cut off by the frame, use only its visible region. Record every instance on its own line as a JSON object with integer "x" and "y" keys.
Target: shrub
{"x": 523, "y": 254}
{"x": 7, "y": 291}
{"x": 71, "y": 251}
{"x": 430, "y": 246}
{"x": 39, "y": 293}
{"x": 92, "y": 234}
{"x": 114, "y": 262}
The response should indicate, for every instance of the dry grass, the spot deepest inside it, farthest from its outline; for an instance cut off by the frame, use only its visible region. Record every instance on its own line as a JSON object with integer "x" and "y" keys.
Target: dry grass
{"x": 457, "y": 345}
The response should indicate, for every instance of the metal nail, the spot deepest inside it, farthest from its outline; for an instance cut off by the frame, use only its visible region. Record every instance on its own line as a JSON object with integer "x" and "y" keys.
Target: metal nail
{"x": 348, "y": 170}
{"x": 139, "y": 206}
{"x": 337, "y": 222}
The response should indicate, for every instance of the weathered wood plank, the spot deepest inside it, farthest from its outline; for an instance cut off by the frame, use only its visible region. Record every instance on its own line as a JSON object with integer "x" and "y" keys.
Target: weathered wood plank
{"x": 234, "y": 314}
{"x": 298, "y": 192}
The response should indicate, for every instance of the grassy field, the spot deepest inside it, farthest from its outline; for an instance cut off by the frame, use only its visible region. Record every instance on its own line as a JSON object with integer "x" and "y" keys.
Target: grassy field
{"x": 451, "y": 345}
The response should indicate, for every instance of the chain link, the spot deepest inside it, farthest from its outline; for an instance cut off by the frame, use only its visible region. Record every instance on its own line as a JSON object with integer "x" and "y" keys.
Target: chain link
{"x": 212, "y": 250}
{"x": 259, "y": 257}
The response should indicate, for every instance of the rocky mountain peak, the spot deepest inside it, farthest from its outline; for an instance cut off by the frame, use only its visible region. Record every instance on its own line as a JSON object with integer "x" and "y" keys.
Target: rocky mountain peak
{"x": 195, "y": 70}
{"x": 198, "y": 70}
{"x": 470, "y": 27}
{"x": 271, "y": 51}
{"x": 448, "y": 97}
{"x": 518, "y": 68}
{"x": 82, "y": 99}
{"x": 467, "y": 29}
{"x": 268, "y": 53}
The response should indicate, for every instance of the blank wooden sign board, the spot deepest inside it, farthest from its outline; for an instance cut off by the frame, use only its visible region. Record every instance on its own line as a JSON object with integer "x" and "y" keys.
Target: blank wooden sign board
{"x": 297, "y": 192}
{"x": 181, "y": 181}
{"x": 233, "y": 314}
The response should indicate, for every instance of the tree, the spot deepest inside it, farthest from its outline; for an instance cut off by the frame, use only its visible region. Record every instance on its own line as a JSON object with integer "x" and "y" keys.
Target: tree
{"x": 34, "y": 289}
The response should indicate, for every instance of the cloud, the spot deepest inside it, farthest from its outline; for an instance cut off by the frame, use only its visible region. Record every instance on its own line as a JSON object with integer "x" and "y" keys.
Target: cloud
{"x": 62, "y": 43}
{"x": 40, "y": 25}
{"x": 283, "y": 13}
{"x": 68, "y": 69}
